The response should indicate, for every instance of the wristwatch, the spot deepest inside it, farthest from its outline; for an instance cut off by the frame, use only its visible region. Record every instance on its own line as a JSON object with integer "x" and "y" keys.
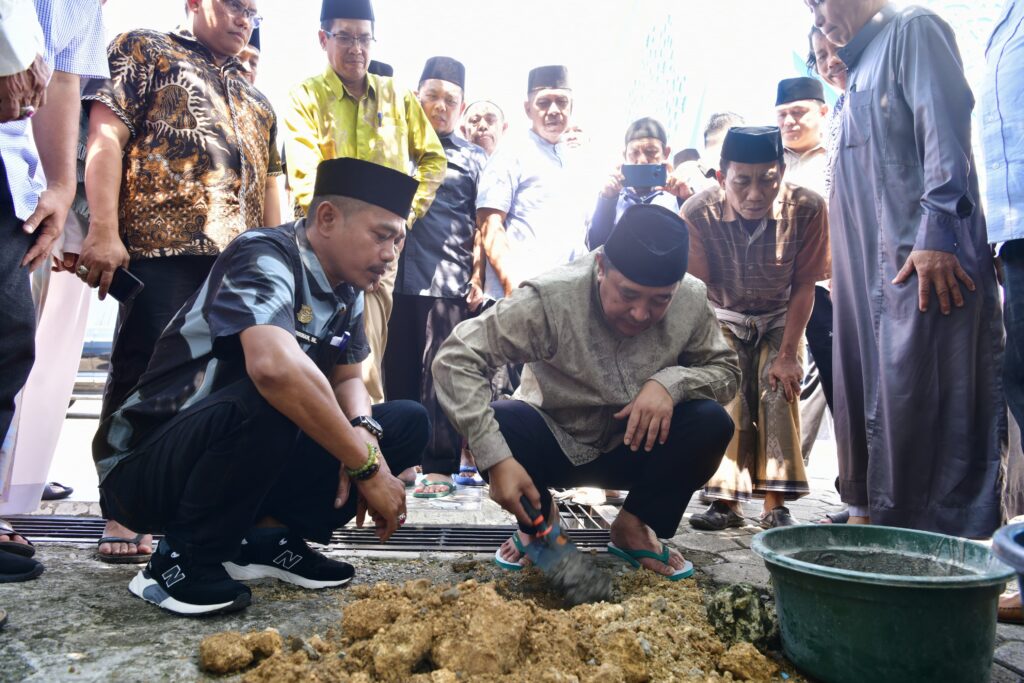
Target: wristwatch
{"x": 369, "y": 424}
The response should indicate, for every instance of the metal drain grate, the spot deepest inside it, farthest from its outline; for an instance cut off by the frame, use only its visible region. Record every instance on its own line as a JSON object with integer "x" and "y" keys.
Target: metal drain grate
{"x": 54, "y": 529}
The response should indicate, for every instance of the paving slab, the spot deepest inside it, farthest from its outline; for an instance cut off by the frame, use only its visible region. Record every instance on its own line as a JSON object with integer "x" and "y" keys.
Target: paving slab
{"x": 731, "y": 572}
{"x": 1009, "y": 632}
{"x": 707, "y": 542}
{"x": 1011, "y": 656}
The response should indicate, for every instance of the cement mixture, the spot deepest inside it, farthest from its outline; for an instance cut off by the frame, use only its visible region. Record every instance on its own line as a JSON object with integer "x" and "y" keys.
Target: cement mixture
{"x": 434, "y": 633}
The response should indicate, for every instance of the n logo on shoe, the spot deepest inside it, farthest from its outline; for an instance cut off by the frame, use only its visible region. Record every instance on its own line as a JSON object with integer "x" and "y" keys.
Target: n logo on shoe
{"x": 173, "y": 575}
{"x": 287, "y": 559}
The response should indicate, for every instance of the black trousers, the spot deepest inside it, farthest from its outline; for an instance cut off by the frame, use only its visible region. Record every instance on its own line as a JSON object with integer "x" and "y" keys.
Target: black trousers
{"x": 17, "y": 313}
{"x": 207, "y": 475}
{"x": 660, "y": 482}
{"x": 819, "y": 339}
{"x": 170, "y": 281}
{"x": 416, "y": 330}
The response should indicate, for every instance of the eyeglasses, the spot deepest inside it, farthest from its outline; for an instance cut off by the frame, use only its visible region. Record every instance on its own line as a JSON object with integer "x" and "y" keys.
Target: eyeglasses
{"x": 236, "y": 8}
{"x": 349, "y": 41}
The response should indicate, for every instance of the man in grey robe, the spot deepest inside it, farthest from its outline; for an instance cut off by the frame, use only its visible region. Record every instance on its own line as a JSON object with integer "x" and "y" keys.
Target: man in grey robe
{"x": 918, "y": 337}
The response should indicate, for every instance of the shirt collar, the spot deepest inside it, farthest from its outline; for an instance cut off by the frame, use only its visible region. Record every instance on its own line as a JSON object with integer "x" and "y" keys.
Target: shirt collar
{"x": 184, "y": 35}
{"x": 339, "y": 89}
{"x": 851, "y": 53}
{"x": 311, "y": 263}
{"x": 817, "y": 149}
{"x": 556, "y": 149}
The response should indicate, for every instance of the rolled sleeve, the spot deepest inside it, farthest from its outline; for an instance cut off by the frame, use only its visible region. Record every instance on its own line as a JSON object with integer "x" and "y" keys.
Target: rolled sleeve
{"x": 497, "y": 183}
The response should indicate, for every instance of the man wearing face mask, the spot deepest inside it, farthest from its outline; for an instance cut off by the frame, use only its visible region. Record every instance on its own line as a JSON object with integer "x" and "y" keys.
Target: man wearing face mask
{"x": 622, "y": 353}
{"x": 920, "y": 417}
{"x": 524, "y": 213}
{"x": 760, "y": 245}
{"x": 434, "y": 271}
{"x": 346, "y": 111}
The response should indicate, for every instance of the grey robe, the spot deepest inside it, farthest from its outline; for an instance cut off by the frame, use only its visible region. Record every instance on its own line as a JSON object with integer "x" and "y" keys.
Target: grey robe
{"x": 918, "y": 396}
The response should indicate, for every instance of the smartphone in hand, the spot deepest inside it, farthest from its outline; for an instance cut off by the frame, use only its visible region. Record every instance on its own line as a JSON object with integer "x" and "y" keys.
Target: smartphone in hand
{"x": 644, "y": 175}
{"x": 124, "y": 286}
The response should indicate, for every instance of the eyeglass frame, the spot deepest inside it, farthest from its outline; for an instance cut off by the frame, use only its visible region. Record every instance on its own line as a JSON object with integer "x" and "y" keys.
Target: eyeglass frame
{"x": 236, "y": 8}
{"x": 349, "y": 41}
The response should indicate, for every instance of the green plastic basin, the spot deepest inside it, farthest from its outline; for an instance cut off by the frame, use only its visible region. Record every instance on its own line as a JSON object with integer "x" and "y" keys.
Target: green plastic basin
{"x": 871, "y": 603}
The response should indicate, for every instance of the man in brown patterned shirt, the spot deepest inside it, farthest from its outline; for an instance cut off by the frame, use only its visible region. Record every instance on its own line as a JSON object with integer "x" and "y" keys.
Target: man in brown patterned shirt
{"x": 759, "y": 244}
{"x": 181, "y": 159}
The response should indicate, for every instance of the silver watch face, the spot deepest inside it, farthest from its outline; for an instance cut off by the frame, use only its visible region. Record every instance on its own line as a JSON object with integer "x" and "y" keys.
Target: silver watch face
{"x": 369, "y": 423}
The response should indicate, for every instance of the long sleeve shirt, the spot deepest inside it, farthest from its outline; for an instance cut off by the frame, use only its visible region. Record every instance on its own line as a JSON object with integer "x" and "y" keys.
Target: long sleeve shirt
{"x": 579, "y": 372}
{"x": 386, "y": 126}
{"x": 1002, "y": 130}
{"x": 609, "y": 210}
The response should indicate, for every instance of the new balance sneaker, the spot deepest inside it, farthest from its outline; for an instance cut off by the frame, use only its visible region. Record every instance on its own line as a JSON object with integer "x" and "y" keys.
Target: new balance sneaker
{"x": 179, "y": 584}
{"x": 286, "y": 557}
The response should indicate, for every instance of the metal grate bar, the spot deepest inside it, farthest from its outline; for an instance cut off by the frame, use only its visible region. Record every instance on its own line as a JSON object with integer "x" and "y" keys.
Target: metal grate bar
{"x": 58, "y": 529}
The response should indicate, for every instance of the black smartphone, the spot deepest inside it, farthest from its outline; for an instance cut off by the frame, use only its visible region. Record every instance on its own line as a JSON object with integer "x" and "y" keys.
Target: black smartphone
{"x": 124, "y": 286}
{"x": 644, "y": 175}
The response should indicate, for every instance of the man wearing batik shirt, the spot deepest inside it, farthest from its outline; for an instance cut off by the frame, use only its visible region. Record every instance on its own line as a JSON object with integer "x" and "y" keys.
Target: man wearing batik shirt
{"x": 252, "y": 429}
{"x": 759, "y": 244}
{"x": 181, "y": 159}
{"x": 347, "y": 111}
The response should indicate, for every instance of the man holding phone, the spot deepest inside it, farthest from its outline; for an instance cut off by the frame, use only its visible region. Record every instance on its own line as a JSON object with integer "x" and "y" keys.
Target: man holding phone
{"x": 643, "y": 179}
{"x": 252, "y": 429}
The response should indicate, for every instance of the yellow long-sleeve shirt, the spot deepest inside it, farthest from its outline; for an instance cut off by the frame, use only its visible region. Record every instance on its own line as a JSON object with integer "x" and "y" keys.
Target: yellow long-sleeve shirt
{"x": 385, "y": 126}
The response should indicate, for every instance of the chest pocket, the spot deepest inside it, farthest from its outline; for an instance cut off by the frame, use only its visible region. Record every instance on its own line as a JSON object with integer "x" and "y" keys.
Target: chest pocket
{"x": 857, "y": 118}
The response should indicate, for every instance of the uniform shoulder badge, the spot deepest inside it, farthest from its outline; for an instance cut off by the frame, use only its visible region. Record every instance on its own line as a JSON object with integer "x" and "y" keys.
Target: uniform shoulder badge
{"x": 305, "y": 315}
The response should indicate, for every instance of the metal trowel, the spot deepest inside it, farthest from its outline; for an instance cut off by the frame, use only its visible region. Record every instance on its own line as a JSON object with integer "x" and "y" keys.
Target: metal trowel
{"x": 560, "y": 560}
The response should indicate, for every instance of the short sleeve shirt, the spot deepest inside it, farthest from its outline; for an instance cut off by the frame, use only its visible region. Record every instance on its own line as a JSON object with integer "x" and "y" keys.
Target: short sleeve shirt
{"x": 203, "y": 142}
{"x": 268, "y": 276}
{"x": 754, "y": 272}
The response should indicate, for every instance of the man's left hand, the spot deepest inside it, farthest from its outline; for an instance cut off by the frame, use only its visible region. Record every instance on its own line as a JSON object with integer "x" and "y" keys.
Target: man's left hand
{"x": 650, "y": 416}
{"x": 788, "y": 372}
{"x": 939, "y": 270}
{"x": 46, "y": 223}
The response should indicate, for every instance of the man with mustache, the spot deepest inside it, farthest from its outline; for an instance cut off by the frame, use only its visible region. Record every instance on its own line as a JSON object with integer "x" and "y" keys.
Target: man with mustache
{"x": 252, "y": 429}
{"x": 920, "y": 417}
{"x": 434, "y": 272}
{"x": 346, "y": 111}
{"x": 525, "y": 213}
{"x": 625, "y": 372}
{"x": 760, "y": 245}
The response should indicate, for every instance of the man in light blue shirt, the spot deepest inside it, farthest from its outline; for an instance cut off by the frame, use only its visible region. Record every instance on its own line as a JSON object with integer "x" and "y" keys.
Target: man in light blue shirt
{"x": 1002, "y": 131}
{"x": 528, "y": 221}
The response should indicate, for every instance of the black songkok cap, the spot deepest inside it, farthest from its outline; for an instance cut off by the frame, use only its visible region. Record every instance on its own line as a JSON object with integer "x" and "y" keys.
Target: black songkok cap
{"x": 380, "y": 68}
{"x": 646, "y": 128}
{"x": 796, "y": 89}
{"x": 650, "y": 245}
{"x": 554, "y": 76}
{"x": 369, "y": 182}
{"x": 445, "y": 69}
{"x": 254, "y": 39}
{"x": 753, "y": 145}
{"x": 346, "y": 9}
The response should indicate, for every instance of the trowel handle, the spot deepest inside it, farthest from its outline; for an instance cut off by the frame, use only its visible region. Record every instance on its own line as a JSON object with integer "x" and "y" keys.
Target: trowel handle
{"x": 537, "y": 518}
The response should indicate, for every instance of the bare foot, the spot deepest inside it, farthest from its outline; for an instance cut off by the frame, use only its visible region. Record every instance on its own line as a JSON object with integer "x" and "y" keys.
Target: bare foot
{"x": 629, "y": 532}
{"x": 114, "y": 529}
{"x": 510, "y": 553}
{"x": 467, "y": 458}
{"x": 14, "y": 538}
{"x": 408, "y": 475}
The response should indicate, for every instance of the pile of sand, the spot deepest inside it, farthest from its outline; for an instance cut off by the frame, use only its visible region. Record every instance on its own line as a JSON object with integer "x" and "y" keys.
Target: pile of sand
{"x": 426, "y": 633}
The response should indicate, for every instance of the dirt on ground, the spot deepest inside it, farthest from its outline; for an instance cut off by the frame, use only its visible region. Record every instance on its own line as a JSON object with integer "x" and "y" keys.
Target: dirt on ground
{"x": 501, "y": 632}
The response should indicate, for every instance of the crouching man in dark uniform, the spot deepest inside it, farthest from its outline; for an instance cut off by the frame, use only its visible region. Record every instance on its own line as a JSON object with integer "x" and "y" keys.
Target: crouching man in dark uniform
{"x": 251, "y": 429}
{"x": 626, "y": 371}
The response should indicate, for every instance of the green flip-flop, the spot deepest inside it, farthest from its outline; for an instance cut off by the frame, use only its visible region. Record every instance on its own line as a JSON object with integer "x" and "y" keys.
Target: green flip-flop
{"x": 449, "y": 489}
{"x": 511, "y": 566}
{"x": 633, "y": 557}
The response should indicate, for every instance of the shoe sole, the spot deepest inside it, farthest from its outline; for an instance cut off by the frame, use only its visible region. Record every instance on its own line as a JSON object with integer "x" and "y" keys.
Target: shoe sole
{"x": 149, "y": 590}
{"x": 251, "y": 572}
{"x": 27, "y": 576}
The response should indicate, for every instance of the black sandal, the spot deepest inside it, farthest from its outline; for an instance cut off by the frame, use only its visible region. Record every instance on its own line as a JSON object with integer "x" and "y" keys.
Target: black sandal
{"x": 25, "y": 549}
{"x": 56, "y": 491}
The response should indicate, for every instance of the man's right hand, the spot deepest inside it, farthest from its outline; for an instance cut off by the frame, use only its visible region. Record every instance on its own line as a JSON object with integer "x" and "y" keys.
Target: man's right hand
{"x": 102, "y": 253}
{"x": 613, "y": 186}
{"x": 509, "y": 482}
{"x": 385, "y": 500}
{"x": 475, "y": 298}
{"x": 24, "y": 89}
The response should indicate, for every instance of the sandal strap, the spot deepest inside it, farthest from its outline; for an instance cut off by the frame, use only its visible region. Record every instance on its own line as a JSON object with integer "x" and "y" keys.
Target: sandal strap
{"x": 120, "y": 539}
{"x": 6, "y": 529}
{"x": 518, "y": 543}
{"x": 650, "y": 554}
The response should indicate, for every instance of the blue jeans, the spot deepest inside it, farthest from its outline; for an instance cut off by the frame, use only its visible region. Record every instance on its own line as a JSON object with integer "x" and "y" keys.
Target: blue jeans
{"x": 1012, "y": 255}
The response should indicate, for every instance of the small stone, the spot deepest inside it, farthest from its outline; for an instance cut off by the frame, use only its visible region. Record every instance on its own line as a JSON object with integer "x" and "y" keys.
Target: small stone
{"x": 450, "y": 595}
{"x": 738, "y": 614}
{"x": 645, "y": 645}
{"x": 660, "y": 605}
{"x": 745, "y": 663}
{"x": 591, "y": 662}
{"x": 76, "y": 656}
{"x": 224, "y": 653}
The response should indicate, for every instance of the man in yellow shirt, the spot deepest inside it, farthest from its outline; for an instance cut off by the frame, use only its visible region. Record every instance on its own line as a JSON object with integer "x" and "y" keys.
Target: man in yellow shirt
{"x": 348, "y": 112}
